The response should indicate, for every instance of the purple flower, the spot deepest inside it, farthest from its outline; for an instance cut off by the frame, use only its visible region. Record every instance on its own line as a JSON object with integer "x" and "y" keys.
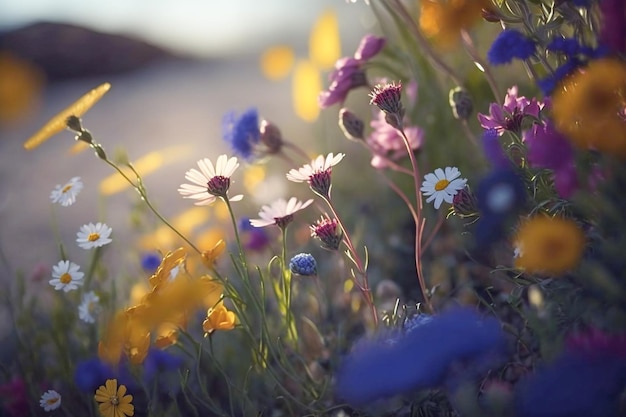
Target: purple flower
{"x": 158, "y": 361}
{"x": 397, "y": 362}
{"x": 253, "y": 238}
{"x": 90, "y": 373}
{"x": 510, "y": 115}
{"x": 387, "y": 142}
{"x": 613, "y": 30}
{"x": 370, "y": 46}
{"x": 150, "y": 262}
{"x": 493, "y": 149}
{"x": 510, "y": 44}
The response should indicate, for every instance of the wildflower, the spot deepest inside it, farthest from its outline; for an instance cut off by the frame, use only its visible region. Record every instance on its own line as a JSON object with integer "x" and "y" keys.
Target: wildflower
{"x": 589, "y": 107}
{"x": 387, "y": 142}
{"x": 511, "y": 114}
{"x": 242, "y": 133}
{"x": 66, "y": 194}
{"x": 613, "y": 27}
{"x": 150, "y": 262}
{"x": 50, "y": 400}
{"x": 317, "y": 173}
{"x": 369, "y": 47}
{"x": 303, "y": 264}
{"x": 113, "y": 400}
{"x": 464, "y": 203}
{"x": 351, "y": 125}
{"x": 549, "y": 245}
{"x": 59, "y": 122}
{"x": 89, "y": 373}
{"x": 442, "y": 185}
{"x": 510, "y": 44}
{"x": 280, "y": 212}
{"x": 387, "y": 98}
{"x": 210, "y": 182}
{"x": 253, "y": 238}
{"x": 461, "y": 102}
{"x": 89, "y": 307}
{"x": 444, "y": 20}
{"x": 93, "y": 235}
{"x": 66, "y": 276}
{"x": 328, "y": 231}
{"x": 159, "y": 361}
{"x": 210, "y": 256}
{"x": 14, "y": 396}
{"x": 493, "y": 149}
{"x": 271, "y": 137}
{"x": 219, "y": 318}
{"x": 419, "y": 358}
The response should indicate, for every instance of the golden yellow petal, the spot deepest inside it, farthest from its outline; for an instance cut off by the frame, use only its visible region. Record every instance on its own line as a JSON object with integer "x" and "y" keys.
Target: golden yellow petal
{"x": 277, "y": 61}
{"x": 324, "y": 43}
{"x": 306, "y": 86}
{"x": 126, "y": 409}
{"x": 121, "y": 391}
{"x": 57, "y": 123}
{"x": 111, "y": 386}
{"x": 106, "y": 408}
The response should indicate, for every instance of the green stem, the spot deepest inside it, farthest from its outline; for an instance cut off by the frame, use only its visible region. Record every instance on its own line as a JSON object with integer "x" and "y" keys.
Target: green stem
{"x": 286, "y": 283}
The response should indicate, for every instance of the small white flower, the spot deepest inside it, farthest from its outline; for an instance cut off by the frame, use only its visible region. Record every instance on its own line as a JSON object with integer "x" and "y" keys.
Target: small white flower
{"x": 280, "y": 212}
{"x": 442, "y": 186}
{"x": 66, "y": 276}
{"x": 317, "y": 166}
{"x": 210, "y": 182}
{"x": 93, "y": 235}
{"x": 66, "y": 194}
{"x": 89, "y": 307}
{"x": 50, "y": 400}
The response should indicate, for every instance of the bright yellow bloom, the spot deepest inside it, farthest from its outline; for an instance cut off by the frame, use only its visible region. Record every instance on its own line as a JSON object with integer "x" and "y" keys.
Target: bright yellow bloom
{"x": 589, "y": 107}
{"x": 443, "y": 20}
{"x": 219, "y": 318}
{"x": 210, "y": 256}
{"x": 169, "y": 262}
{"x": 548, "y": 245}
{"x": 113, "y": 400}
{"x": 58, "y": 122}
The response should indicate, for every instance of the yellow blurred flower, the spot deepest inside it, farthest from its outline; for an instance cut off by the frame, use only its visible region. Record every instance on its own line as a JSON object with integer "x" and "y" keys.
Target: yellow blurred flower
{"x": 589, "y": 107}
{"x": 58, "y": 122}
{"x": 20, "y": 86}
{"x": 113, "y": 400}
{"x": 443, "y": 20}
{"x": 209, "y": 256}
{"x": 548, "y": 245}
{"x": 169, "y": 262}
{"x": 277, "y": 61}
{"x": 219, "y": 318}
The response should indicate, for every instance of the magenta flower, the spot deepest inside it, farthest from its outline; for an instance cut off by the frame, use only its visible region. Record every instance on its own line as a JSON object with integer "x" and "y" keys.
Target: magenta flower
{"x": 349, "y": 72}
{"x": 510, "y": 115}
{"x": 387, "y": 142}
{"x": 613, "y": 28}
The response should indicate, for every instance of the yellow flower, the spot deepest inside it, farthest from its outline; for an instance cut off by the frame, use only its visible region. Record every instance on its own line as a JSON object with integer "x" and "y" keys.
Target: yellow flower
{"x": 443, "y": 20}
{"x": 113, "y": 401}
{"x": 169, "y": 262}
{"x": 20, "y": 87}
{"x": 209, "y": 256}
{"x": 58, "y": 122}
{"x": 548, "y": 245}
{"x": 219, "y": 318}
{"x": 589, "y": 107}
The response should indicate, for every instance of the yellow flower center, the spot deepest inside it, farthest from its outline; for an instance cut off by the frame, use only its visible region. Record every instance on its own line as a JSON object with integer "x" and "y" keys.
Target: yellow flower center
{"x": 65, "y": 278}
{"x": 114, "y": 400}
{"x": 93, "y": 237}
{"x": 441, "y": 185}
{"x": 66, "y": 188}
{"x": 52, "y": 401}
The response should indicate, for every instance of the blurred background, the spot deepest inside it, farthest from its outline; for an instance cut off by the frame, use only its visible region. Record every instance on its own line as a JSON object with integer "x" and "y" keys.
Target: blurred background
{"x": 176, "y": 67}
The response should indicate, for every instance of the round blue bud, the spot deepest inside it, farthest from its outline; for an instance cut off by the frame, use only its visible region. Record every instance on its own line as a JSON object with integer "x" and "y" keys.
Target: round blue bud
{"x": 303, "y": 264}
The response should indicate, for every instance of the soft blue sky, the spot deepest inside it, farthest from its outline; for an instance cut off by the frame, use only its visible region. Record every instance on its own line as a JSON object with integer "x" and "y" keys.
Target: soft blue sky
{"x": 201, "y": 27}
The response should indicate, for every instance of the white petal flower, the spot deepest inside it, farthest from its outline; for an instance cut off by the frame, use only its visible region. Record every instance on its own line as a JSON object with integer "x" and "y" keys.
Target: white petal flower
{"x": 210, "y": 182}
{"x": 50, "y": 400}
{"x": 317, "y": 166}
{"x": 279, "y": 211}
{"x": 442, "y": 185}
{"x": 93, "y": 235}
{"x": 66, "y": 276}
{"x": 66, "y": 194}
{"x": 89, "y": 307}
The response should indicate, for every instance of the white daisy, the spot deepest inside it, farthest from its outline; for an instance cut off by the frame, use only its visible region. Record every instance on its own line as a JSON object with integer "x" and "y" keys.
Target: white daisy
{"x": 442, "y": 186}
{"x": 66, "y": 276}
{"x": 280, "y": 212}
{"x": 317, "y": 173}
{"x": 89, "y": 307}
{"x": 210, "y": 182}
{"x": 50, "y": 400}
{"x": 66, "y": 194}
{"x": 93, "y": 235}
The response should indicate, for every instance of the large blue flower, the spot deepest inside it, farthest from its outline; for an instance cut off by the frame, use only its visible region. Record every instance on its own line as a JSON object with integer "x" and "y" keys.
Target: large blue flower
{"x": 400, "y": 362}
{"x": 242, "y": 133}
{"x": 510, "y": 44}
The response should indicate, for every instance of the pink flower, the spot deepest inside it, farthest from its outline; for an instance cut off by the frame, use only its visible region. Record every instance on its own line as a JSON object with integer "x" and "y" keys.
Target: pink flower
{"x": 388, "y": 143}
{"x": 510, "y": 115}
{"x": 613, "y": 28}
{"x": 370, "y": 46}
{"x": 14, "y": 398}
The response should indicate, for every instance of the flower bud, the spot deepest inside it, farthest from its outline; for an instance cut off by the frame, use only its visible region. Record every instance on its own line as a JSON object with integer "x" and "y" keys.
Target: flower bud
{"x": 370, "y": 46}
{"x": 271, "y": 137}
{"x": 461, "y": 103}
{"x": 351, "y": 125}
{"x": 464, "y": 203}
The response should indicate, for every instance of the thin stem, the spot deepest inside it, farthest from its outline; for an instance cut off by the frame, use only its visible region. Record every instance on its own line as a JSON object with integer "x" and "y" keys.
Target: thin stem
{"x": 473, "y": 53}
{"x": 296, "y": 149}
{"x": 286, "y": 280}
{"x": 242, "y": 254}
{"x": 388, "y": 161}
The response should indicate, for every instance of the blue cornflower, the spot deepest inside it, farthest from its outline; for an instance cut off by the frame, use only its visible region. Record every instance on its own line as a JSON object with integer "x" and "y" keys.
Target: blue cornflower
{"x": 243, "y": 132}
{"x": 510, "y": 44}
{"x": 493, "y": 149}
{"x": 567, "y": 46}
{"x": 418, "y": 359}
{"x": 548, "y": 84}
{"x": 254, "y": 238}
{"x": 574, "y": 385}
{"x": 90, "y": 373}
{"x": 157, "y": 361}
{"x": 150, "y": 262}
{"x": 303, "y": 264}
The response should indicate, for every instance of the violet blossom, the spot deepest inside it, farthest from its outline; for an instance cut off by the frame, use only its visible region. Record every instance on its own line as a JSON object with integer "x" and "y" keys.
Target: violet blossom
{"x": 510, "y": 115}
{"x": 387, "y": 142}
